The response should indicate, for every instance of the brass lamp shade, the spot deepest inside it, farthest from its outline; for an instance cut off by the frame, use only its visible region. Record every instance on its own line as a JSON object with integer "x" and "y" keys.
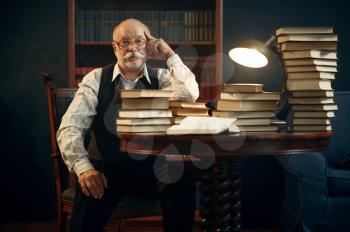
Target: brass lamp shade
{"x": 250, "y": 53}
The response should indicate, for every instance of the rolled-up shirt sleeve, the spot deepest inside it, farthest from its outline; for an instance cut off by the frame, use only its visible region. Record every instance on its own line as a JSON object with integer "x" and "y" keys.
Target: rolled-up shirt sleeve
{"x": 76, "y": 121}
{"x": 178, "y": 77}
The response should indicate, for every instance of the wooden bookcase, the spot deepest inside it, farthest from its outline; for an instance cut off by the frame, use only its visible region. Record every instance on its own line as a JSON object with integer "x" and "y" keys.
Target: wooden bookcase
{"x": 85, "y": 54}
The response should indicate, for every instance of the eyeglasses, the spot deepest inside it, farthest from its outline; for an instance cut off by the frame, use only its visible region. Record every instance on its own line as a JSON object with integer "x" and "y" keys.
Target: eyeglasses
{"x": 124, "y": 44}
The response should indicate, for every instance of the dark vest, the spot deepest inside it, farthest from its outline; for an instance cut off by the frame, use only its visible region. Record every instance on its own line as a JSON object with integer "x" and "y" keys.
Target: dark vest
{"x": 104, "y": 143}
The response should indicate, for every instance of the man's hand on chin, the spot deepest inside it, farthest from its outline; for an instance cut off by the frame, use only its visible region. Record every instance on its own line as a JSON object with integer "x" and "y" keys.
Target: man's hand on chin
{"x": 157, "y": 48}
{"x": 93, "y": 182}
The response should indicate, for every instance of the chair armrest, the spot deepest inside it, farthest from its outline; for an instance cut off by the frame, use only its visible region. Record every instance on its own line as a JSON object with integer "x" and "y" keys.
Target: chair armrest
{"x": 338, "y": 181}
{"x": 339, "y": 173}
{"x": 308, "y": 165}
{"x": 56, "y": 155}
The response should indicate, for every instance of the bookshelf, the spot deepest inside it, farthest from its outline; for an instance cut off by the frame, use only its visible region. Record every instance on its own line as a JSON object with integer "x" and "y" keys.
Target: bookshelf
{"x": 195, "y": 24}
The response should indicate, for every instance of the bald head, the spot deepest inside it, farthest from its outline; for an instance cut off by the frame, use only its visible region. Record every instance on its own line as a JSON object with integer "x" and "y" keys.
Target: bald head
{"x": 132, "y": 54}
{"x": 129, "y": 28}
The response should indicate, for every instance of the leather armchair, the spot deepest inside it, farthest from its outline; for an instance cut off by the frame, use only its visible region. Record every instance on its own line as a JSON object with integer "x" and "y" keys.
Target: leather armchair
{"x": 316, "y": 194}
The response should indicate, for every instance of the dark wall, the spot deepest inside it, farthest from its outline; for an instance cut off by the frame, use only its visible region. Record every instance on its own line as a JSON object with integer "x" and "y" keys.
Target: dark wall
{"x": 33, "y": 40}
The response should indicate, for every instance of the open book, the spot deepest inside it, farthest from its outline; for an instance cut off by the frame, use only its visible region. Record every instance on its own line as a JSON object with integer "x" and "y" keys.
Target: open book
{"x": 201, "y": 125}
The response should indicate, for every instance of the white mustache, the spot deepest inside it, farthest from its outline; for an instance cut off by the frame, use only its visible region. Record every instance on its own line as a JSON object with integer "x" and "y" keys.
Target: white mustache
{"x": 135, "y": 54}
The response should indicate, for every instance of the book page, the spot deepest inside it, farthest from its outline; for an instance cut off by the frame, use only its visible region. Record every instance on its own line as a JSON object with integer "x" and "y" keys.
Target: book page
{"x": 201, "y": 125}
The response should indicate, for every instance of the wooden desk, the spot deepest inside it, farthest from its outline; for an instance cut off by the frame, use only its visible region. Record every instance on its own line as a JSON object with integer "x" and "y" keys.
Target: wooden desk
{"x": 220, "y": 183}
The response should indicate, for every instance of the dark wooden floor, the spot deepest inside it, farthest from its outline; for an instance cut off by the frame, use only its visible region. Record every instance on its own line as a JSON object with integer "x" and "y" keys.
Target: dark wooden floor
{"x": 149, "y": 224}
{"x": 28, "y": 227}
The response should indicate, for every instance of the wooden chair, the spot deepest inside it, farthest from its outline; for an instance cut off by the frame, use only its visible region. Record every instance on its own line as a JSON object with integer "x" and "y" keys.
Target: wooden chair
{"x": 129, "y": 207}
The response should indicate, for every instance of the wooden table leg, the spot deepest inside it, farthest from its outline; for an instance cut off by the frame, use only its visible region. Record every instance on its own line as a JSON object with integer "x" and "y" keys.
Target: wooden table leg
{"x": 220, "y": 197}
{"x": 236, "y": 196}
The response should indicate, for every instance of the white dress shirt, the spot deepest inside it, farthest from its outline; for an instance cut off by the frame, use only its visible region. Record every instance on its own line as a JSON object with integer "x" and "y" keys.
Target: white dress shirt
{"x": 80, "y": 114}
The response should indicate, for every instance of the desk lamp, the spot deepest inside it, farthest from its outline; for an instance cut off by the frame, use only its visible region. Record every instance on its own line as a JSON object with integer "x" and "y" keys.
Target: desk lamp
{"x": 253, "y": 53}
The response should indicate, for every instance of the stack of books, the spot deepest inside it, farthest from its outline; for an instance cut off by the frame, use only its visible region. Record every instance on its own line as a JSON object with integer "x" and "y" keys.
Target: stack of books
{"x": 144, "y": 111}
{"x": 180, "y": 110}
{"x": 253, "y": 108}
{"x": 310, "y": 61}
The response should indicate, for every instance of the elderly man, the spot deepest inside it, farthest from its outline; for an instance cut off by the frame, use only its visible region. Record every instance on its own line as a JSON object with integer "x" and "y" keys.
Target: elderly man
{"x": 104, "y": 174}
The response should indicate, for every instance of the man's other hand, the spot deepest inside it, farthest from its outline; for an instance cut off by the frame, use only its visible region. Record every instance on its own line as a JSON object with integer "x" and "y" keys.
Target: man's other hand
{"x": 93, "y": 182}
{"x": 158, "y": 48}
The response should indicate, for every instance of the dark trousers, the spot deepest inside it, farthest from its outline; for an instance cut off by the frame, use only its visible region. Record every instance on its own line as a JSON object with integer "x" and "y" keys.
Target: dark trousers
{"x": 178, "y": 199}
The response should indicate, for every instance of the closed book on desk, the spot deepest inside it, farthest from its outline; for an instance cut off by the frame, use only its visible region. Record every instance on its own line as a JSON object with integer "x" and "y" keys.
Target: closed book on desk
{"x": 143, "y": 121}
{"x": 233, "y": 105}
{"x": 145, "y": 103}
{"x": 314, "y": 93}
{"x": 244, "y": 114}
{"x": 311, "y": 121}
{"x": 146, "y": 93}
{"x": 145, "y": 114}
{"x": 297, "y": 46}
{"x": 190, "y": 111}
{"x": 201, "y": 125}
{"x": 315, "y": 114}
{"x": 317, "y": 128}
{"x": 196, "y": 105}
{"x": 310, "y": 101}
{"x": 305, "y": 62}
{"x": 253, "y": 121}
{"x": 251, "y": 96}
{"x": 330, "y": 107}
{"x": 321, "y": 54}
{"x": 310, "y": 68}
{"x": 307, "y": 37}
{"x": 267, "y": 128}
{"x": 243, "y": 87}
{"x": 311, "y": 75}
{"x": 296, "y": 85}
{"x": 303, "y": 30}
{"x": 142, "y": 129}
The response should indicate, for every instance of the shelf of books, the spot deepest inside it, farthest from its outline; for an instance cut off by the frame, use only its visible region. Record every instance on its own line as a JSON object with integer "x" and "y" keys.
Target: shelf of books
{"x": 192, "y": 28}
{"x": 177, "y": 26}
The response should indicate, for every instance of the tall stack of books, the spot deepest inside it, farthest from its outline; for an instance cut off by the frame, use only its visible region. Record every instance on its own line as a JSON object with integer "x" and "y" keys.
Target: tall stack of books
{"x": 144, "y": 111}
{"x": 310, "y": 60}
{"x": 253, "y": 108}
{"x": 181, "y": 110}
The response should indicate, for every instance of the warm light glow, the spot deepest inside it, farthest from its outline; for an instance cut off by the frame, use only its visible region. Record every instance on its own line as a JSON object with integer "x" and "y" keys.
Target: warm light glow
{"x": 248, "y": 57}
